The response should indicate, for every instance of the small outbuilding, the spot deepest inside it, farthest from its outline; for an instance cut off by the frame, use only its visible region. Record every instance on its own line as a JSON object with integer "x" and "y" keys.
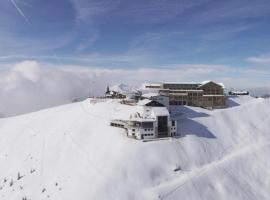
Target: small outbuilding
{"x": 114, "y": 94}
{"x": 238, "y": 93}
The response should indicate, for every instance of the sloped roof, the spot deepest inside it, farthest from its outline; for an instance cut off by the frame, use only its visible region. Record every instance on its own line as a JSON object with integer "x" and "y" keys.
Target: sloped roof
{"x": 144, "y": 102}
{"x": 208, "y": 81}
{"x": 151, "y": 103}
{"x": 160, "y": 111}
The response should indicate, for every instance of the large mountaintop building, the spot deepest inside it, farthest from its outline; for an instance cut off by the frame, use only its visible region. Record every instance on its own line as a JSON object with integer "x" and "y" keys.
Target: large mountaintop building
{"x": 207, "y": 94}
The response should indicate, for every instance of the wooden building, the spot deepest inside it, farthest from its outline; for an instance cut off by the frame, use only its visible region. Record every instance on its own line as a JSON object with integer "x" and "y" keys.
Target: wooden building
{"x": 207, "y": 94}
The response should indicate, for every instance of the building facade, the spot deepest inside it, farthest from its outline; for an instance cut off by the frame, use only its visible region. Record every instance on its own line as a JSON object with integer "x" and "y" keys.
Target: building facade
{"x": 152, "y": 120}
{"x": 207, "y": 94}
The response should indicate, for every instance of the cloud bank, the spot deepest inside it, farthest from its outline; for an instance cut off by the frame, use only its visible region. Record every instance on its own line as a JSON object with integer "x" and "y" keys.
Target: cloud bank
{"x": 30, "y": 85}
{"x": 259, "y": 59}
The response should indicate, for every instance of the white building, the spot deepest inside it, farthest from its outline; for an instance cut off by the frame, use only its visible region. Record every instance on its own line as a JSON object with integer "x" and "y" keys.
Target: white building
{"x": 150, "y": 119}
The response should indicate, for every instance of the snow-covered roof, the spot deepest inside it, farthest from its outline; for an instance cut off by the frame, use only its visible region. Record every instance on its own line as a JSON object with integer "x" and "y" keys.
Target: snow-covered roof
{"x": 138, "y": 112}
{"x": 184, "y": 83}
{"x": 239, "y": 92}
{"x": 144, "y": 102}
{"x": 160, "y": 111}
{"x": 152, "y": 84}
{"x": 208, "y": 81}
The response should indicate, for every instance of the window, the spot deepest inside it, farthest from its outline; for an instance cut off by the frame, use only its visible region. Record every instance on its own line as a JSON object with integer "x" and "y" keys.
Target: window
{"x": 173, "y": 123}
{"x": 133, "y": 130}
{"x": 145, "y": 129}
{"x": 147, "y": 125}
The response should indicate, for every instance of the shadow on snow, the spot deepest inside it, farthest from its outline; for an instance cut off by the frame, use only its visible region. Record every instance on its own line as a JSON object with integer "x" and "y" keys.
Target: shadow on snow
{"x": 188, "y": 126}
{"x": 231, "y": 103}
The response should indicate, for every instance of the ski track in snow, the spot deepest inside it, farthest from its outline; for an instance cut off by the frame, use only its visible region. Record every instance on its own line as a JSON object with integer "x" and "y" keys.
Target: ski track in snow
{"x": 189, "y": 176}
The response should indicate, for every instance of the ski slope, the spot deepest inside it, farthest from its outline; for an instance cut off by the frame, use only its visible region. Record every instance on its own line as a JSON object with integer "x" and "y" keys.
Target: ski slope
{"x": 70, "y": 152}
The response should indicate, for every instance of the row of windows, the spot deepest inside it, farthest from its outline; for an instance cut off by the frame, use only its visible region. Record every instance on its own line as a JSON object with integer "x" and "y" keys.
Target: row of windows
{"x": 148, "y": 134}
{"x": 213, "y": 92}
{"x": 152, "y": 86}
{"x": 180, "y": 101}
{"x": 180, "y": 86}
{"x": 148, "y": 129}
{"x": 117, "y": 125}
{"x": 196, "y": 93}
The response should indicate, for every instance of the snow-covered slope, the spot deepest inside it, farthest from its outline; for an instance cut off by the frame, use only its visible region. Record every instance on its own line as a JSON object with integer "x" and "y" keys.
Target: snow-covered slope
{"x": 70, "y": 152}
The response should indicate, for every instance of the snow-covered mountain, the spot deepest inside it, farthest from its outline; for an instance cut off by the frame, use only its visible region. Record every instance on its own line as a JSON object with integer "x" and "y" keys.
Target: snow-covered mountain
{"x": 123, "y": 88}
{"x": 70, "y": 152}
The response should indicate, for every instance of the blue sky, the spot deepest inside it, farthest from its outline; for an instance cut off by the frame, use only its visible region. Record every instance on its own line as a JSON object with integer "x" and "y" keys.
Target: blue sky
{"x": 230, "y": 37}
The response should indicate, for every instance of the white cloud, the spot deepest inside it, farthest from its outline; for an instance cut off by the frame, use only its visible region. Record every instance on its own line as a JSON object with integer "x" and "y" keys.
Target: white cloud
{"x": 28, "y": 69}
{"x": 29, "y": 85}
{"x": 259, "y": 59}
